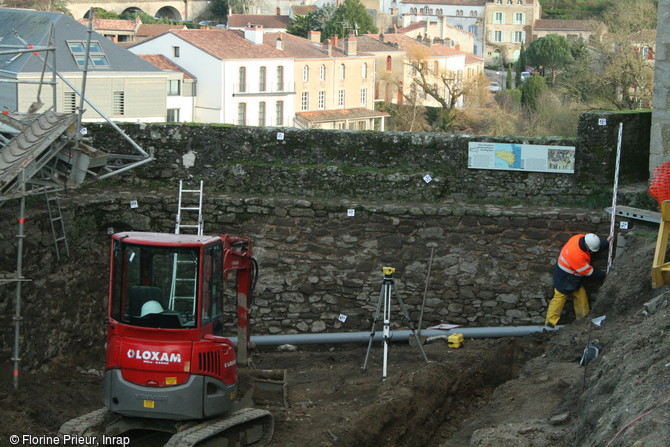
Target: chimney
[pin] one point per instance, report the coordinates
(441, 22)
(254, 33)
(381, 37)
(350, 44)
(328, 47)
(280, 43)
(314, 36)
(333, 40)
(458, 47)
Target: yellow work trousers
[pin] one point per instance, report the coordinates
(581, 302)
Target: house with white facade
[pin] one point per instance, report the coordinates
(181, 89)
(241, 80)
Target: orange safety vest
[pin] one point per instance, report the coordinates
(573, 259)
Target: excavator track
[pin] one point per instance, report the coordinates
(242, 428)
(245, 427)
(85, 425)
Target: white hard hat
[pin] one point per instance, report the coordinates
(592, 241)
(151, 307)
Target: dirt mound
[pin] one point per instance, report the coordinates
(526, 391)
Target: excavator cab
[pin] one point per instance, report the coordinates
(166, 356)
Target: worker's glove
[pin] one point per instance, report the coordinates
(599, 274)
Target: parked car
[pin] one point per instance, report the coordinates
(494, 86)
(524, 75)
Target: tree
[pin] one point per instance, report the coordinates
(520, 65)
(508, 81)
(614, 71)
(350, 16)
(314, 21)
(531, 89)
(219, 9)
(550, 52)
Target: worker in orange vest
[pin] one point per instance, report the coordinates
(572, 267)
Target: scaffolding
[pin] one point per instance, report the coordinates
(45, 153)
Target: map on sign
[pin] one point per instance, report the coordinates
(522, 157)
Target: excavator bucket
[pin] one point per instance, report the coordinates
(269, 387)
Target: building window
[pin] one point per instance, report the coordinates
(175, 51)
(439, 12)
(243, 80)
(172, 116)
(261, 113)
(280, 113)
(96, 57)
(519, 2)
(280, 78)
(459, 26)
(364, 70)
(322, 99)
(242, 113)
(342, 71)
(389, 63)
(69, 102)
(340, 98)
(473, 13)
(509, 2)
(519, 18)
(174, 87)
(499, 18)
(473, 29)
(305, 73)
(519, 36)
(322, 72)
(364, 97)
(119, 104)
(497, 36)
(304, 102)
(261, 79)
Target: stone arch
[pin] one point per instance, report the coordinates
(168, 12)
(132, 10)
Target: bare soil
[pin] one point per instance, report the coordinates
(522, 392)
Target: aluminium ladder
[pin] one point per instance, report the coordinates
(184, 278)
(57, 223)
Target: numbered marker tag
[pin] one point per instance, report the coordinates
(342, 318)
(602, 121)
(280, 136)
(351, 212)
(427, 178)
(83, 131)
(133, 204)
(623, 225)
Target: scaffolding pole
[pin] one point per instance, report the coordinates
(16, 358)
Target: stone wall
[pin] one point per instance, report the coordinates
(378, 165)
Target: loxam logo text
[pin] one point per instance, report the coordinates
(154, 356)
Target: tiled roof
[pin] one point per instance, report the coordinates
(341, 114)
(154, 29)
(566, 25)
(445, 2)
(472, 59)
(228, 44)
(369, 44)
(301, 48)
(412, 46)
(303, 10)
(242, 20)
(164, 63)
(110, 24)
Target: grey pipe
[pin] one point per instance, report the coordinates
(361, 337)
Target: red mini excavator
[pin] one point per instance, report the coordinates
(171, 376)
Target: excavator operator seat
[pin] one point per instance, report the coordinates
(138, 296)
